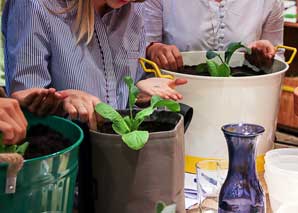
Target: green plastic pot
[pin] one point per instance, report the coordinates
(45, 184)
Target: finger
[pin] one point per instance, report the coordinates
(7, 131)
(179, 60)
(82, 110)
(71, 110)
(35, 104)
(14, 131)
(47, 104)
(17, 115)
(172, 64)
(164, 62)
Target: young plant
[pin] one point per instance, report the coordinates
(223, 69)
(161, 207)
(128, 126)
(20, 149)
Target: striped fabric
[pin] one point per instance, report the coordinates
(41, 50)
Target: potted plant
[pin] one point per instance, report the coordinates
(220, 98)
(138, 156)
(46, 181)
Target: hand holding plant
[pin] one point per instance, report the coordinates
(128, 126)
(223, 69)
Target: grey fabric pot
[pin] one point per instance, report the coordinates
(129, 181)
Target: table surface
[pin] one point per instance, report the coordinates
(196, 209)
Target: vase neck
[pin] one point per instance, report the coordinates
(242, 153)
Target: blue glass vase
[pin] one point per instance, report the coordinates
(241, 191)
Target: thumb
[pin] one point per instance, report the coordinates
(180, 81)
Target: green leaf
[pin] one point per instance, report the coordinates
(169, 104)
(136, 139)
(232, 47)
(10, 148)
(2, 147)
(21, 149)
(155, 99)
(224, 70)
(133, 91)
(119, 124)
(212, 68)
(160, 206)
(201, 68)
(140, 116)
(211, 54)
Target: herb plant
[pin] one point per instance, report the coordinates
(20, 149)
(128, 126)
(161, 207)
(223, 69)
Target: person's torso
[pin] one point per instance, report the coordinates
(207, 24)
(99, 67)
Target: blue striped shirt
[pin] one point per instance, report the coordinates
(41, 50)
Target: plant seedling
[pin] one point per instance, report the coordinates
(20, 149)
(161, 207)
(223, 69)
(128, 126)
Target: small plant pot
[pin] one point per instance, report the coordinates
(129, 181)
(45, 184)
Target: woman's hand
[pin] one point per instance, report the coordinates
(13, 124)
(165, 56)
(162, 87)
(80, 105)
(262, 54)
(40, 101)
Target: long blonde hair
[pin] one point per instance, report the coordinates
(84, 21)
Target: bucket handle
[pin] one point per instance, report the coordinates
(286, 88)
(293, 49)
(15, 163)
(154, 68)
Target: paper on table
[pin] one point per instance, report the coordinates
(190, 190)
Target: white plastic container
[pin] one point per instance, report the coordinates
(220, 100)
(281, 175)
(288, 208)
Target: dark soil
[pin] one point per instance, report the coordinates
(151, 126)
(236, 71)
(44, 141)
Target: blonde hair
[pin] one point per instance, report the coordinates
(84, 21)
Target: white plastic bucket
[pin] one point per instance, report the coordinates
(220, 100)
(288, 208)
(281, 175)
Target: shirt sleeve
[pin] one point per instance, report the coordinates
(27, 45)
(273, 28)
(153, 17)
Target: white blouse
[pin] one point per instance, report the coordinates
(207, 24)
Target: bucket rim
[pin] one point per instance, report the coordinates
(198, 77)
(63, 151)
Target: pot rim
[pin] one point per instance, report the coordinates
(227, 78)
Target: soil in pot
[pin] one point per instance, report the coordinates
(236, 71)
(150, 126)
(44, 140)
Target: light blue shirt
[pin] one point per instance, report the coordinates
(41, 50)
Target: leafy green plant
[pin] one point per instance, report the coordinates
(128, 126)
(20, 149)
(161, 207)
(223, 69)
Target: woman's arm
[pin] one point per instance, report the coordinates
(27, 45)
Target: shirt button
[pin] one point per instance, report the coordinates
(222, 4)
(222, 25)
(221, 36)
(221, 46)
(221, 15)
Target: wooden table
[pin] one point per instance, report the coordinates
(196, 209)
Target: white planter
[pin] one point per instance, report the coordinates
(221, 100)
